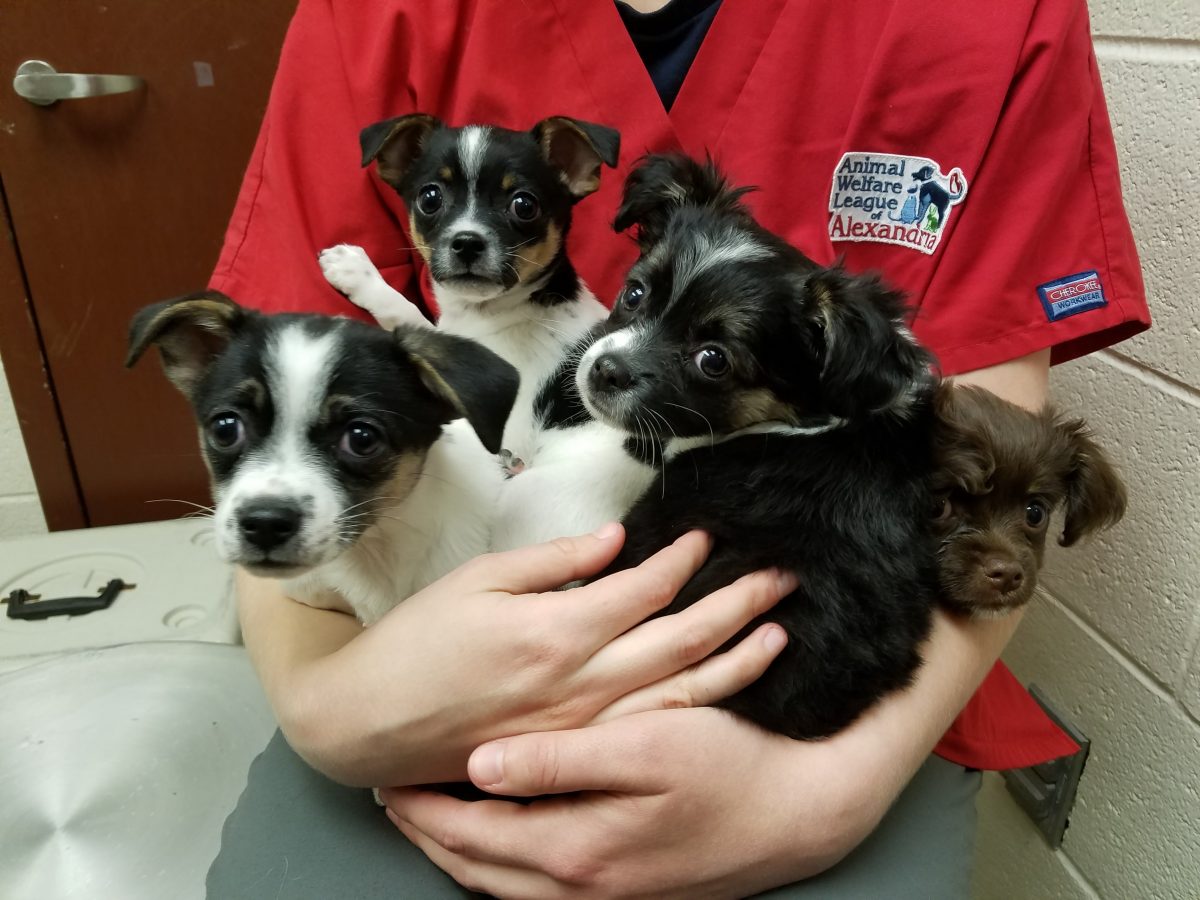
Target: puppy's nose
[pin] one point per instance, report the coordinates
(1004, 574)
(610, 373)
(468, 246)
(269, 523)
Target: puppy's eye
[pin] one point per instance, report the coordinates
(1035, 514)
(633, 295)
(712, 362)
(429, 199)
(361, 440)
(942, 509)
(524, 206)
(226, 431)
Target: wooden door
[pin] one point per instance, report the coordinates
(114, 202)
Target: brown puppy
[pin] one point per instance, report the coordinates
(1000, 473)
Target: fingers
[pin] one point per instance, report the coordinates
(607, 757)
(619, 601)
(706, 682)
(664, 646)
(545, 567)
(468, 842)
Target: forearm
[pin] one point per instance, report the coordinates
(894, 738)
(285, 640)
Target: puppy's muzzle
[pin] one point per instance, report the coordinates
(610, 374)
(467, 247)
(1003, 574)
(269, 524)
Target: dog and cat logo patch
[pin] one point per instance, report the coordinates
(893, 199)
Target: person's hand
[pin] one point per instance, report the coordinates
(491, 650)
(678, 803)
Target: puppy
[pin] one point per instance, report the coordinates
(489, 212)
(792, 410)
(1000, 472)
(338, 457)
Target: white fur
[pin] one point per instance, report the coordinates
(350, 270)
(444, 521)
(577, 479)
(472, 148)
(298, 368)
(530, 337)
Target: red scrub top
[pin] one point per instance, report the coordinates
(964, 150)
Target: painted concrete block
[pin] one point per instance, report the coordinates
(1156, 140)
(1139, 583)
(1189, 690)
(21, 516)
(1137, 18)
(1011, 858)
(1134, 831)
(15, 475)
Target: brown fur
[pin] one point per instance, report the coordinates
(758, 405)
(418, 239)
(994, 459)
(535, 257)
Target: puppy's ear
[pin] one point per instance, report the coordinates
(190, 333)
(963, 455)
(470, 379)
(870, 362)
(396, 144)
(1096, 496)
(578, 149)
(661, 184)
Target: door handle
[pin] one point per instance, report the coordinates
(40, 84)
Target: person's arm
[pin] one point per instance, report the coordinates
(481, 654)
(696, 802)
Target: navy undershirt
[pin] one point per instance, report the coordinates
(668, 39)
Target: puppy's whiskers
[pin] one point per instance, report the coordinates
(712, 437)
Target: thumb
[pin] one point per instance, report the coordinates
(608, 757)
(549, 566)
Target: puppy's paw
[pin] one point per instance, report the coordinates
(349, 270)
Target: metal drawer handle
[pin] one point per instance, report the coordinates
(39, 83)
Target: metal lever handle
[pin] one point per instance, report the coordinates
(39, 83)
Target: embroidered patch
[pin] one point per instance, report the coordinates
(891, 199)
(1071, 295)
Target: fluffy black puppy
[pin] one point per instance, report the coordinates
(792, 408)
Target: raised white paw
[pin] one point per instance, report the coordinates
(349, 270)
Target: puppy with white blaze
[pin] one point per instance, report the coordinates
(356, 464)
(489, 213)
(788, 411)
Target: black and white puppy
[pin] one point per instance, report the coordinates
(355, 463)
(793, 407)
(489, 212)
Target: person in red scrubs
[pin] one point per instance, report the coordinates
(962, 150)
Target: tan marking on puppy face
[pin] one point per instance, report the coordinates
(254, 392)
(507, 182)
(535, 257)
(418, 239)
(758, 405)
(445, 173)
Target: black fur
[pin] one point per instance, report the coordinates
(838, 492)
(556, 164)
(847, 511)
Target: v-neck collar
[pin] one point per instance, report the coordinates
(621, 86)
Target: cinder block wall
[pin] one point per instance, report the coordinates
(1117, 640)
(20, 511)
